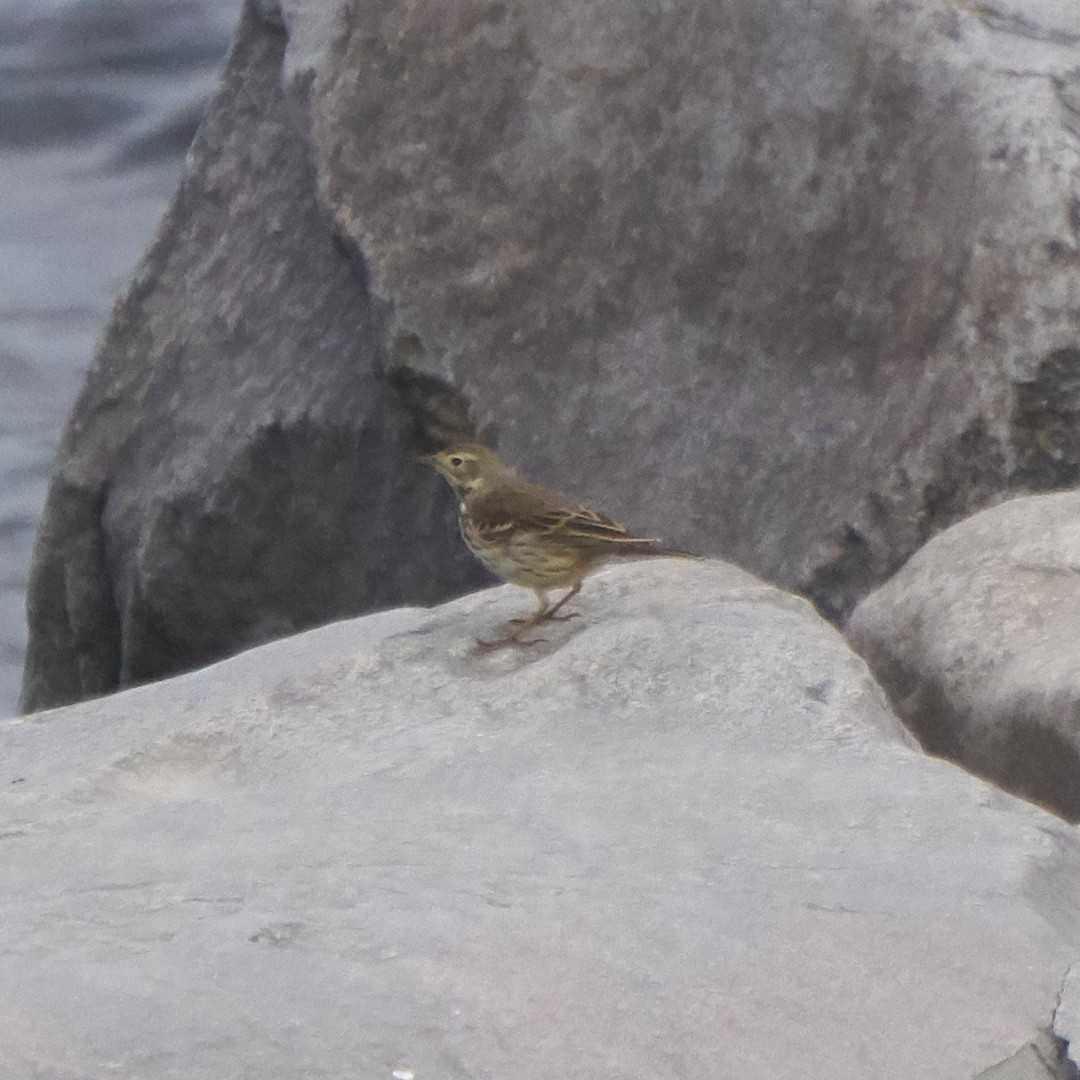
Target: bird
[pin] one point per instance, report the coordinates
(531, 536)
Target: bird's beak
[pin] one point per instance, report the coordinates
(425, 459)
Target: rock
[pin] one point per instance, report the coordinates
(683, 837)
(82, 84)
(795, 288)
(232, 471)
(1043, 1059)
(975, 641)
(1067, 1015)
(799, 290)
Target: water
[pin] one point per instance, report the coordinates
(98, 102)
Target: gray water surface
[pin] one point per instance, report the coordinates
(99, 100)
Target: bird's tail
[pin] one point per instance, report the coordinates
(676, 553)
(656, 548)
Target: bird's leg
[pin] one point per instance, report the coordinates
(550, 613)
(532, 620)
(543, 614)
(514, 637)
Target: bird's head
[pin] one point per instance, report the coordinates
(468, 469)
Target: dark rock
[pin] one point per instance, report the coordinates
(1044, 1058)
(1046, 422)
(975, 640)
(233, 470)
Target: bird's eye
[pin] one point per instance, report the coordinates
(456, 462)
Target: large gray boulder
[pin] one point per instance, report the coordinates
(976, 641)
(684, 837)
(796, 283)
(794, 286)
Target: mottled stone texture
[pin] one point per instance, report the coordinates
(685, 838)
(976, 641)
(792, 283)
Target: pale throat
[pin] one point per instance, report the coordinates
(475, 485)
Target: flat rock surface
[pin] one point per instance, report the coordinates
(975, 640)
(683, 837)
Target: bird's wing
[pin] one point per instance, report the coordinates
(588, 526)
(536, 510)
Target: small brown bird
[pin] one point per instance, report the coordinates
(529, 535)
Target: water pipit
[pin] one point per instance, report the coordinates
(531, 536)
